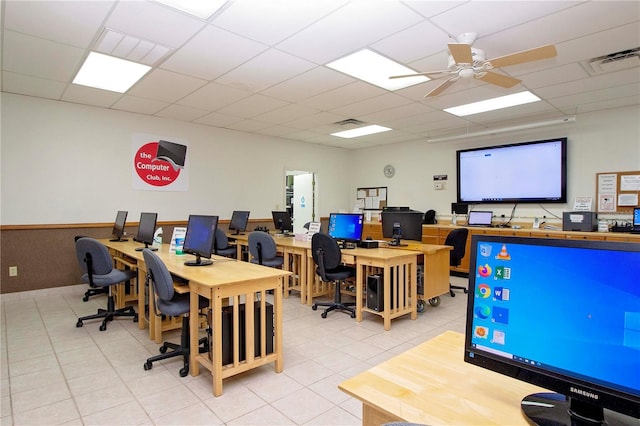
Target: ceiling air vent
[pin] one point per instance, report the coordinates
(613, 62)
(124, 46)
(349, 122)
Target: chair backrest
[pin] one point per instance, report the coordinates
(222, 242)
(159, 275)
(93, 257)
(458, 240)
(326, 253)
(262, 246)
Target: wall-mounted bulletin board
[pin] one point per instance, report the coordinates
(617, 192)
(371, 198)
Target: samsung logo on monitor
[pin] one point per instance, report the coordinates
(584, 393)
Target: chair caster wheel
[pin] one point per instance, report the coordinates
(353, 314)
(85, 298)
(103, 327)
(79, 323)
(148, 366)
(323, 315)
(434, 301)
(314, 307)
(184, 371)
(420, 306)
(452, 293)
(163, 349)
(135, 319)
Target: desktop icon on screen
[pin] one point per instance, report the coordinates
(500, 315)
(501, 293)
(503, 273)
(483, 291)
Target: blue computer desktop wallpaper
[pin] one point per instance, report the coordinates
(346, 226)
(571, 310)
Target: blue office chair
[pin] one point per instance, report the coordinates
(328, 257)
(221, 246)
(263, 250)
(97, 267)
(172, 304)
(93, 290)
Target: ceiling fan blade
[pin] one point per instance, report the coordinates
(441, 88)
(498, 79)
(543, 52)
(429, 73)
(461, 53)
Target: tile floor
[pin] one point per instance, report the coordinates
(56, 374)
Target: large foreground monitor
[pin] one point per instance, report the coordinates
(199, 239)
(563, 315)
(118, 226)
(406, 225)
(146, 229)
(239, 221)
(346, 227)
(282, 221)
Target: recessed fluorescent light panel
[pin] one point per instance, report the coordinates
(109, 73)
(200, 8)
(376, 69)
(520, 98)
(361, 131)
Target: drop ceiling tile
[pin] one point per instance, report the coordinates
(602, 105)
(181, 113)
(212, 53)
(380, 104)
(139, 105)
(166, 86)
(556, 75)
(31, 86)
(252, 106)
(218, 120)
(286, 114)
(313, 82)
(600, 82)
(267, 69)
(354, 92)
(153, 22)
(74, 23)
(37, 57)
(310, 122)
(592, 96)
(213, 96)
(90, 96)
(416, 42)
(248, 125)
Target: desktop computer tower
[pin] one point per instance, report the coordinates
(227, 331)
(375, 293)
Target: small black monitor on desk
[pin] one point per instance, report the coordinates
(282, 221)
(199, 239)
(346, 227)
(406, 225)
(146, 229)
(118, 226)
(239, 221)
(635, 228)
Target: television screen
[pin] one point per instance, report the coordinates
(562, 314)
(118, 226)
(282, 221)
(529, 172)
(239, 220)
(146, 229)
(408, 223)
(346, 226)
(199, 239)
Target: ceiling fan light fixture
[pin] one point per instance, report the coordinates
(493, 104)
(466, 73)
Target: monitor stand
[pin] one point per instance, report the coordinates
(116, 240)
(199, 261)
(146, 246)
(551, 409)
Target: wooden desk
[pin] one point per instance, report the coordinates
(226, 282)
(431, 384)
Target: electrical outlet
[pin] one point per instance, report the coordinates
(438, 185)
(13, 271)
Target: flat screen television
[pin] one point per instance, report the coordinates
(146, 229)
(282, 221)
(562, 314)
(118, 226)
(199, 239)
(346, 227)
(407, 223)
(239, 221)
(528, 172)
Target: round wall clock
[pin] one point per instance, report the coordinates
(389, 170)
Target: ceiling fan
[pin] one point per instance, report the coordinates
(467, 62)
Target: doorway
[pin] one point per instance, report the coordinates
(300, 198)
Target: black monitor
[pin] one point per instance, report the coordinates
(562, 314)
(199, 239)
(407, 224)
(118, 226)
(239, 221)
(146, 229)
(346, 227)
(282, 221)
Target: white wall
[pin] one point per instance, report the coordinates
(67, 163)
(597, 142)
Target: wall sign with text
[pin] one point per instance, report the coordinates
(159, 164)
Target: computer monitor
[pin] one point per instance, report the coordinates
(199, 239)
(118, 226)
(346, 227)
(282, 221)
(562, 314)
(477, 218)
(239, 221)
(407, 223)
(636, 219)
(146, 229)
